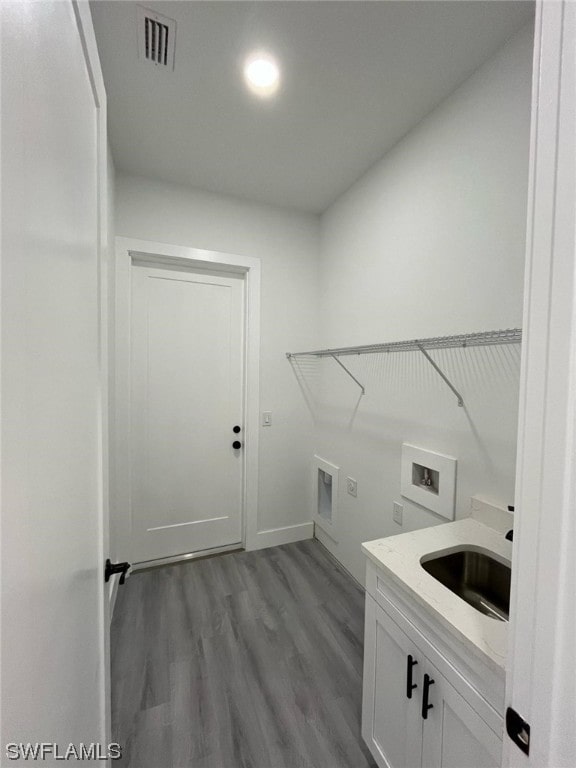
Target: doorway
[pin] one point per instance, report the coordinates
(186, 443)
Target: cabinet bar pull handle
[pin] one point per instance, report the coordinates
(425, 706)
(410, 662)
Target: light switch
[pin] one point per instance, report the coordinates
(267, 419)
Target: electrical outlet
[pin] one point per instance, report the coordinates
(398, 509)
(352, 486)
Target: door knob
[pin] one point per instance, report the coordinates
(236, 429)
(236, 444)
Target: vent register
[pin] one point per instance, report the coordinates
(156, 38)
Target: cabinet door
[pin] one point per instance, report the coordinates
(454, 734)
(391, 724)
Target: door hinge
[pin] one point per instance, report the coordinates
(518, 730)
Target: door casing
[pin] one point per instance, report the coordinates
(540, 670)
(128, 251)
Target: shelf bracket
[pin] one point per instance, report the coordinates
(440, 373)
(341, 364)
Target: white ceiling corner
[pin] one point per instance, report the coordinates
(356, 76)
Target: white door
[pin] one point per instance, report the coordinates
(54, 661)
(392, 690)
(541, 663)
(186, 400)
(454, 734)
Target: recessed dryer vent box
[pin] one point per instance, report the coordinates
(429, 479)
(325, 477)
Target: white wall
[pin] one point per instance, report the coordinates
(52, 642)
(287, 244)
(429, 242)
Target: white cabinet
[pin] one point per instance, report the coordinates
(391, 723)
(458, 728)
(454, 734)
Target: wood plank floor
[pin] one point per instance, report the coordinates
(246, 660)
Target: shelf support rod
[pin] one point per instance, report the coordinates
(348, 372)
(441, 374)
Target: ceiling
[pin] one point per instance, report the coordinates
(356, 76)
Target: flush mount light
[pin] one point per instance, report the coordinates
(262, 74)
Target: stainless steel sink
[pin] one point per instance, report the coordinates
(477, 578)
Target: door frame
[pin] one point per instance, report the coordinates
(540, 667)
(129, 250)
(94, 70)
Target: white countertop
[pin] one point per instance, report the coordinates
(399, 556)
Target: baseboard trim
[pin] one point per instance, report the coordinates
(326, 528)
(286, 535)
(333, 557)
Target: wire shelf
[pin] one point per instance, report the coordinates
(482, 339)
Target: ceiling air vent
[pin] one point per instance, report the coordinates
(156, 38)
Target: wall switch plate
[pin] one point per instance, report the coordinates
(267, 419)
(352, 486)
(398, 509)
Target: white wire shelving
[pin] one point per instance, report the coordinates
(481, 339)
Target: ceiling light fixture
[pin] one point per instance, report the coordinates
(262, 74)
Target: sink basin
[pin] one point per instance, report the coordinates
(476, 577)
